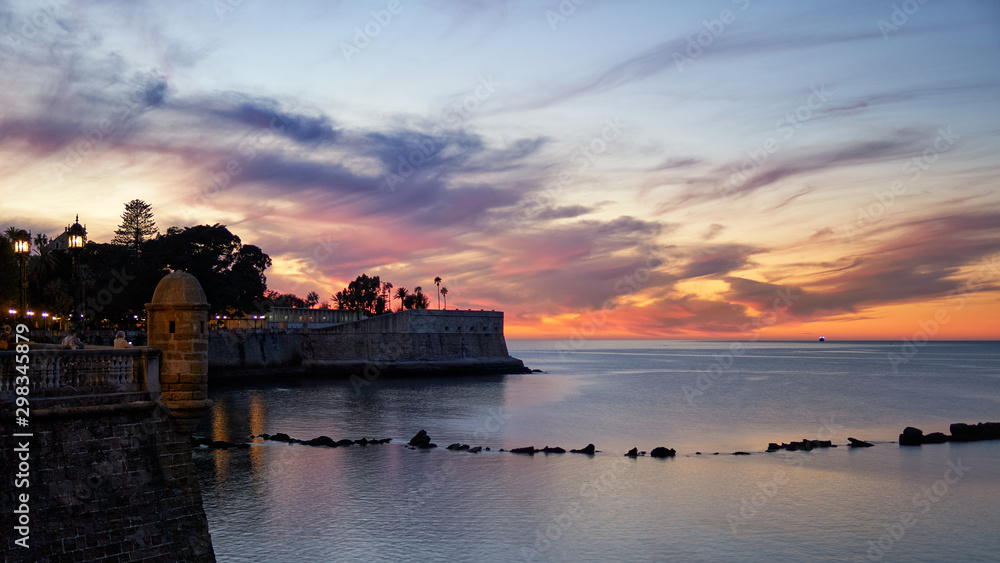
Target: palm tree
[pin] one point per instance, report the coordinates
(401, 294)
(437, 282)
(444, 293)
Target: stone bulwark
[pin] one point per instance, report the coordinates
(106, 451)
(411, 343)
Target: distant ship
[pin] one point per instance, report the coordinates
(822, 339)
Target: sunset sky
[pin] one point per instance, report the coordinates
(729, 169)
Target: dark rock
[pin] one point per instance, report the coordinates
(421, 440)
(321, 441)
(911, 437)
(220, 445)
(362, 442)
(589, 450)
(475, 450)
(634, 452)
(525, 450)
(280, 437)
(463, 447)
(454, 446)
(662, 452)
(486, 449)
(961, 432)
(697, 453)
(344, 442)
(537, 371)
(936, 438)
(243, 446)
(265, 436)
(855, 443)
(555, 450)
(741, 453)
(804, 445)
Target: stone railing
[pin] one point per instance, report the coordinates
(57, 373)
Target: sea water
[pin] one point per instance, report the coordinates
(707, 400)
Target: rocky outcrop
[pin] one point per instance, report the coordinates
(855, 443)
(961, 432)
(804, 445)
(662, 452)
(589, 450)
(421, 441)
(911, 437)
(325, 441)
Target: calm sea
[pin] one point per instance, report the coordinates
(282, 502)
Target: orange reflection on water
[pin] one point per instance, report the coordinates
(257, 416)
(220, 431)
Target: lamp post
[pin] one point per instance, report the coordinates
(22, 246)
(76, 239)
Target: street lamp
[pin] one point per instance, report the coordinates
(22, 246)
(76, 239)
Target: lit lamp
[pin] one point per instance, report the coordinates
(22, 246)
(76, 239)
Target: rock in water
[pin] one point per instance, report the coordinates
(589, 450)
(555, 450)
(662, 452)
(961, 432)
(911, 437)
(525, 450)
(475, 450)
(421, 440)
(634, 452)
(855, 443)
(936, 438)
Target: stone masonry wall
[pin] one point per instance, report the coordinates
(111, 480)
(247, 349)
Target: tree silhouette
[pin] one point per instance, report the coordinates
(312, 299)
(364, 294)
(401, 294)
(137, 225)
(437, 282)
(444, 293)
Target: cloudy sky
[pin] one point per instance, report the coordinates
(727, 169)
